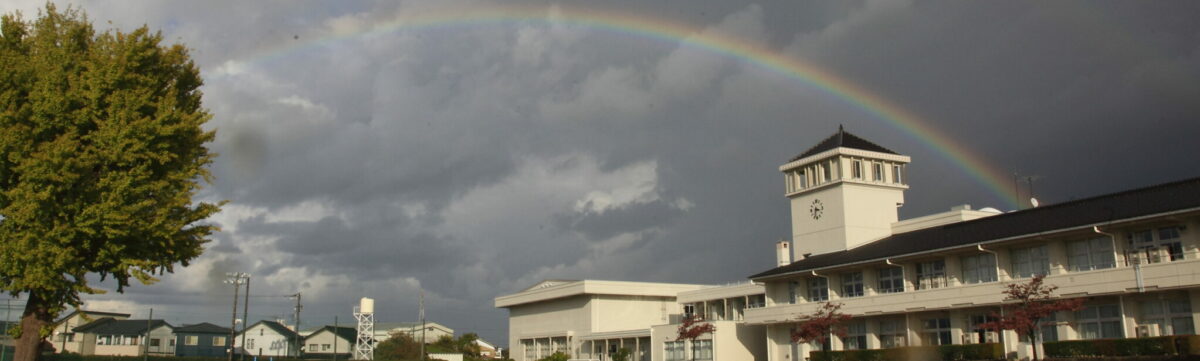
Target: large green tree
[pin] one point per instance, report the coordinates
(101, 151)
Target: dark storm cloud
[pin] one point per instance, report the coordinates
(454, 158)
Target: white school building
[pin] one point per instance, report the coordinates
(930, 280)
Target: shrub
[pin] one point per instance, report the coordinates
(986, 351)
(557, 356)
(1149, 346)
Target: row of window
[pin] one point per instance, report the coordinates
(701, 350)
(545, 347)
(1082, 255)
(114, 340)
(1158, 318)
(825, 171)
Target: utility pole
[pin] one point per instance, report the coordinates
(7, 315)
(245, 316)
(234, 278)
(299, 348)
(146, 340)
(422, 308)
(335, 337)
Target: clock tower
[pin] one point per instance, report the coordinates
(844, 193)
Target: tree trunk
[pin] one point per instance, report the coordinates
(35, 317)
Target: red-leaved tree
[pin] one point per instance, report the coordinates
(693, 327)
(1034, 301)
(818, 326)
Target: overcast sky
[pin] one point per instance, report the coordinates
(473, 159)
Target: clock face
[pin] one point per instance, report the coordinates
(816, 209)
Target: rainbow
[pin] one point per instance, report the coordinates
(997, 181)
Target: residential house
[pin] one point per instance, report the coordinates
(63, 335)
(112, 337)
(269, 338)
(330, 341)
(487, 349)
(203, 339)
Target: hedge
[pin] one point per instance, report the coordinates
(983, 351)
(1148, 346)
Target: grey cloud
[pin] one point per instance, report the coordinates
(628, 218)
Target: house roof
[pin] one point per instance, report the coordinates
(92, 313)
(842, 139)
(1164, 198)
(347, 333)
(202, 328)
(111, 326)
(277, 327)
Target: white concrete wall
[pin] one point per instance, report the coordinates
(266, 342)
(551, 317)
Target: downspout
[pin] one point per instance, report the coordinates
(996, 256)
(1137, 264)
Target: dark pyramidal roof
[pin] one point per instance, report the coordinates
(1163, 198)
(111, 326)
(203, 328)
(842, 139)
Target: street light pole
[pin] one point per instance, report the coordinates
(234, 278)
(245, 315)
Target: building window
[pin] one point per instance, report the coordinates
(1166, 317)
(1031, 261)
(154, 342)
(856, 336)
(1099, 321)
(325, 347)
(803, 179)
(1160, 245)
(936, 331)
(931, 275)
(674, 351)
(1050, 328)
(312, 347)
(825, 173)
(977, 334)
(897, 174)
(891, 280)
(1091, 254)
(218, 341)
(191, 340)
(689, 310)
(702, 350)
(979, 268)
(856, 169)
(250, 344)
(818, 289)
(794, 292)
(171, 342)
(877, 174)
(893, 333)
(852, 284)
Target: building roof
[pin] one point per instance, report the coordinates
(111, 326)
(92, 313)
(1164, 198)
(277, 327)
(202, 328)
(842, 139)
(347, 333)
(553, 290)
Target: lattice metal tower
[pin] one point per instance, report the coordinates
(364, 345)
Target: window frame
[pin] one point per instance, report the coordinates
(1092, 256)
(1031, 260)
(852, 285)
(895, 280)
(818, 289)
(1094, 315)
(934, 272)
(979, 268)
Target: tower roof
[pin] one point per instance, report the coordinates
(842, 139)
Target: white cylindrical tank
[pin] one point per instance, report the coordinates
(366, 305)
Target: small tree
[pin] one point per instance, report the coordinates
(399, 347)
(693, 327)
(1034, 301)
(821, 324)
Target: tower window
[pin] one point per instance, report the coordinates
(825, 176)
(897, 174)
(856, 170)
(878, 176)
(803, 179)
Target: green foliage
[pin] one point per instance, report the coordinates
(1149, 346)
(557, 356)
(622, 354)
(101, 151)
(399, 347)
(986, 351)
